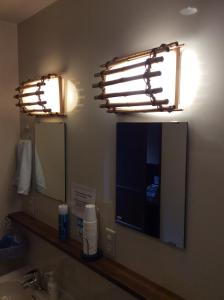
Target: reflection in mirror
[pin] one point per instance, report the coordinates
(50, 160)
(150, 180)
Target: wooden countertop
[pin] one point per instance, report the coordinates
(125, 278)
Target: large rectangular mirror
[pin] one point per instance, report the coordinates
(150, 179)
(50, 160)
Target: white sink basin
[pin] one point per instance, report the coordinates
(12, 290)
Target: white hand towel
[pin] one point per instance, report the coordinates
(24, 166)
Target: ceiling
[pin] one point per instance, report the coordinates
(16, 11)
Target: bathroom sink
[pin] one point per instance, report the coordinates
(12, 290)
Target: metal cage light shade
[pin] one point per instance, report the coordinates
(41, 97)
(146, 81)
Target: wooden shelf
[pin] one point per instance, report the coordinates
(132, 282)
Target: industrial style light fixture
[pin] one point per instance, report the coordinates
(146, 81)
(42, 97)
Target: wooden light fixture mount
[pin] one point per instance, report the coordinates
(41, 97)
(131, 83)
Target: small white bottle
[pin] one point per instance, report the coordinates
(52, 287)
(90, 232)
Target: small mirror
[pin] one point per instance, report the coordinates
(50, 160)
(150, 179)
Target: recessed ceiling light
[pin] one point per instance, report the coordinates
(188, 11)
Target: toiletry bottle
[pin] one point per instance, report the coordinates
(52, 287)
(90, 235)
(63, 222)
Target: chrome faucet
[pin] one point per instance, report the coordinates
(34, 279)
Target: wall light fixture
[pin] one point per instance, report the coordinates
(146, 81)
(42, 97)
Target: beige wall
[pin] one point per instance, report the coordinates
(9, 125)
(75, 37)
(77, 280)
(9, 115)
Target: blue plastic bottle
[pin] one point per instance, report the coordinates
(63, 222)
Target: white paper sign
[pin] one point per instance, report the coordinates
(81, 195)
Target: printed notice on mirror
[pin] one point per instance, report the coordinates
(81, 195)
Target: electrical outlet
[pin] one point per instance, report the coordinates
(110, 242)
(30, 206)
